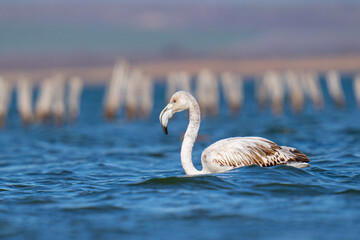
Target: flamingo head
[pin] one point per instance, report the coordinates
(179, 101)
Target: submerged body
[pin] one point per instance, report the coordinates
(228, 153)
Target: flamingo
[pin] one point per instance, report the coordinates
(146, 95)
(207, 92)
(75, 89)
(275, 91)
(296, 93)
(233, 90)
(133, 94)
(58, 105)
(116, 89)
(44, 100)
(5, 98)
(312, 88)
(228, 153)
(177, 81)
(24, 99)
(356, 86)
(335, 89)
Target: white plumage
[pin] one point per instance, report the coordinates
(233, 90)
(44, 99)
(5, 98)
(228, 153)
(296, 93)
(356, 87)
(312, 88)
(335, 89)
(24, 99)
(207, 92)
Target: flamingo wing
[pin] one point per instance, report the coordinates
(243, 151)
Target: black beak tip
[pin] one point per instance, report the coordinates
(165, 130)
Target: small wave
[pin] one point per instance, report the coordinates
(205, 182)
(293, 189)
(245, 193)
(21, 186)
(60, 173)
(299, 172)
(276, 173)
(348, 155)
(34, 200)
(349, 192)
(156, 154)
(94, 208)
(352, 131)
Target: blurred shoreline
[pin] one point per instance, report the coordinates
(101, 73)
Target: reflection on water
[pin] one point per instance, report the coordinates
(97, 179)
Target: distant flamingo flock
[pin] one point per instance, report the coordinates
(58, 97)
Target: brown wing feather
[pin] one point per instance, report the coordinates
(239, 152)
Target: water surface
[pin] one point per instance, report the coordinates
(110, 180)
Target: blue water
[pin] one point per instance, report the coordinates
(123, 180)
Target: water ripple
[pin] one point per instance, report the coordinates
(203, 182)
(99, 180)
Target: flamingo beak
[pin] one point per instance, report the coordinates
(164, 117)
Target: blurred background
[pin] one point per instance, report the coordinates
(41, 34)
(82, 84)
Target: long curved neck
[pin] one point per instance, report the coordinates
(189, 139)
